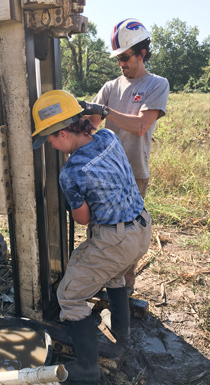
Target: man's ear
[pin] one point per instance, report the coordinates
(143, 53)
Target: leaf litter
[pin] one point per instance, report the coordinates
(170, 346)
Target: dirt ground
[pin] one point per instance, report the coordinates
(171, 346)
(174, 340)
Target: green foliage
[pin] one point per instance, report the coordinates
(85, 63)
(179, 190)
(177, 54)
(199, 85)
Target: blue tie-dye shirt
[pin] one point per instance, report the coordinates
(100, 174)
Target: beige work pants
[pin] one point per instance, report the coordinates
(130, 274)
(101, 261)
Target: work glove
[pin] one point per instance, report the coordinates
(91, 108)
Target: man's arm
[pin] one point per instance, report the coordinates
(82, 214)
(137, 125)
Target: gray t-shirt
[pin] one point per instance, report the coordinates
(129, 96)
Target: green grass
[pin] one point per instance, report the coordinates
(201, 242)
(179, 190)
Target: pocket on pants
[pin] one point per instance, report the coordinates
(104, 237)
(80, 252)
(78, 286)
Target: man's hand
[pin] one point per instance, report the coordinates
(91, 108)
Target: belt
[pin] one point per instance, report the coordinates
(139, 218)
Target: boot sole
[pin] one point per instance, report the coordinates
(92, 380)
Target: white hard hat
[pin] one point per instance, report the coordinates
(126, 34)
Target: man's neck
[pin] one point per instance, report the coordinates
(141, 72)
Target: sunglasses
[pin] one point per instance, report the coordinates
(124, 58)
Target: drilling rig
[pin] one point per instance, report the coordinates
(30, 33)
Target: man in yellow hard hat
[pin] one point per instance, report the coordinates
(100, 188)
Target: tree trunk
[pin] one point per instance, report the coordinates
(74, 54)
(80, 58)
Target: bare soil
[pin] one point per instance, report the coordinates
(175, 280)
(171, 346)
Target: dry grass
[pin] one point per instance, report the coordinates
(179, 191)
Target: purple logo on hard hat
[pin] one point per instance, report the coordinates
(134, 25)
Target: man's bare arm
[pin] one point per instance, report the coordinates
(137, 125)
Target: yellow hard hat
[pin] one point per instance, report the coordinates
(55, 108)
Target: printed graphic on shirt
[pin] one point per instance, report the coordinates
(137, 97)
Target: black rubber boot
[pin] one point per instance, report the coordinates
(119, 320)
(85, 368)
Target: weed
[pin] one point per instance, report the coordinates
(205, 312)
(179, 164)
(200, 242)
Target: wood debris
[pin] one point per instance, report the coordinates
(144, 262)
(161, 239)
(196, 273)
(163, 292)
(159, 243)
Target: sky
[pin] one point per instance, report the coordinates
(106, 13)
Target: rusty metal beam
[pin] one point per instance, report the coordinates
(58, 21)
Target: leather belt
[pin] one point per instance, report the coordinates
(139, 218)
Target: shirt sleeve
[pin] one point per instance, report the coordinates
(71, 189)
(102, 97)
(156, 97)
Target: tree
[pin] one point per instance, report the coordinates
(85, 63)
(177, 54)
(199, 85)
(203, 83)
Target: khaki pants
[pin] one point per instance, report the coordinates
(130, 275)
(142, 186)
(101, 261)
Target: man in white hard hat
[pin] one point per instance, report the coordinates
(132, 103)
